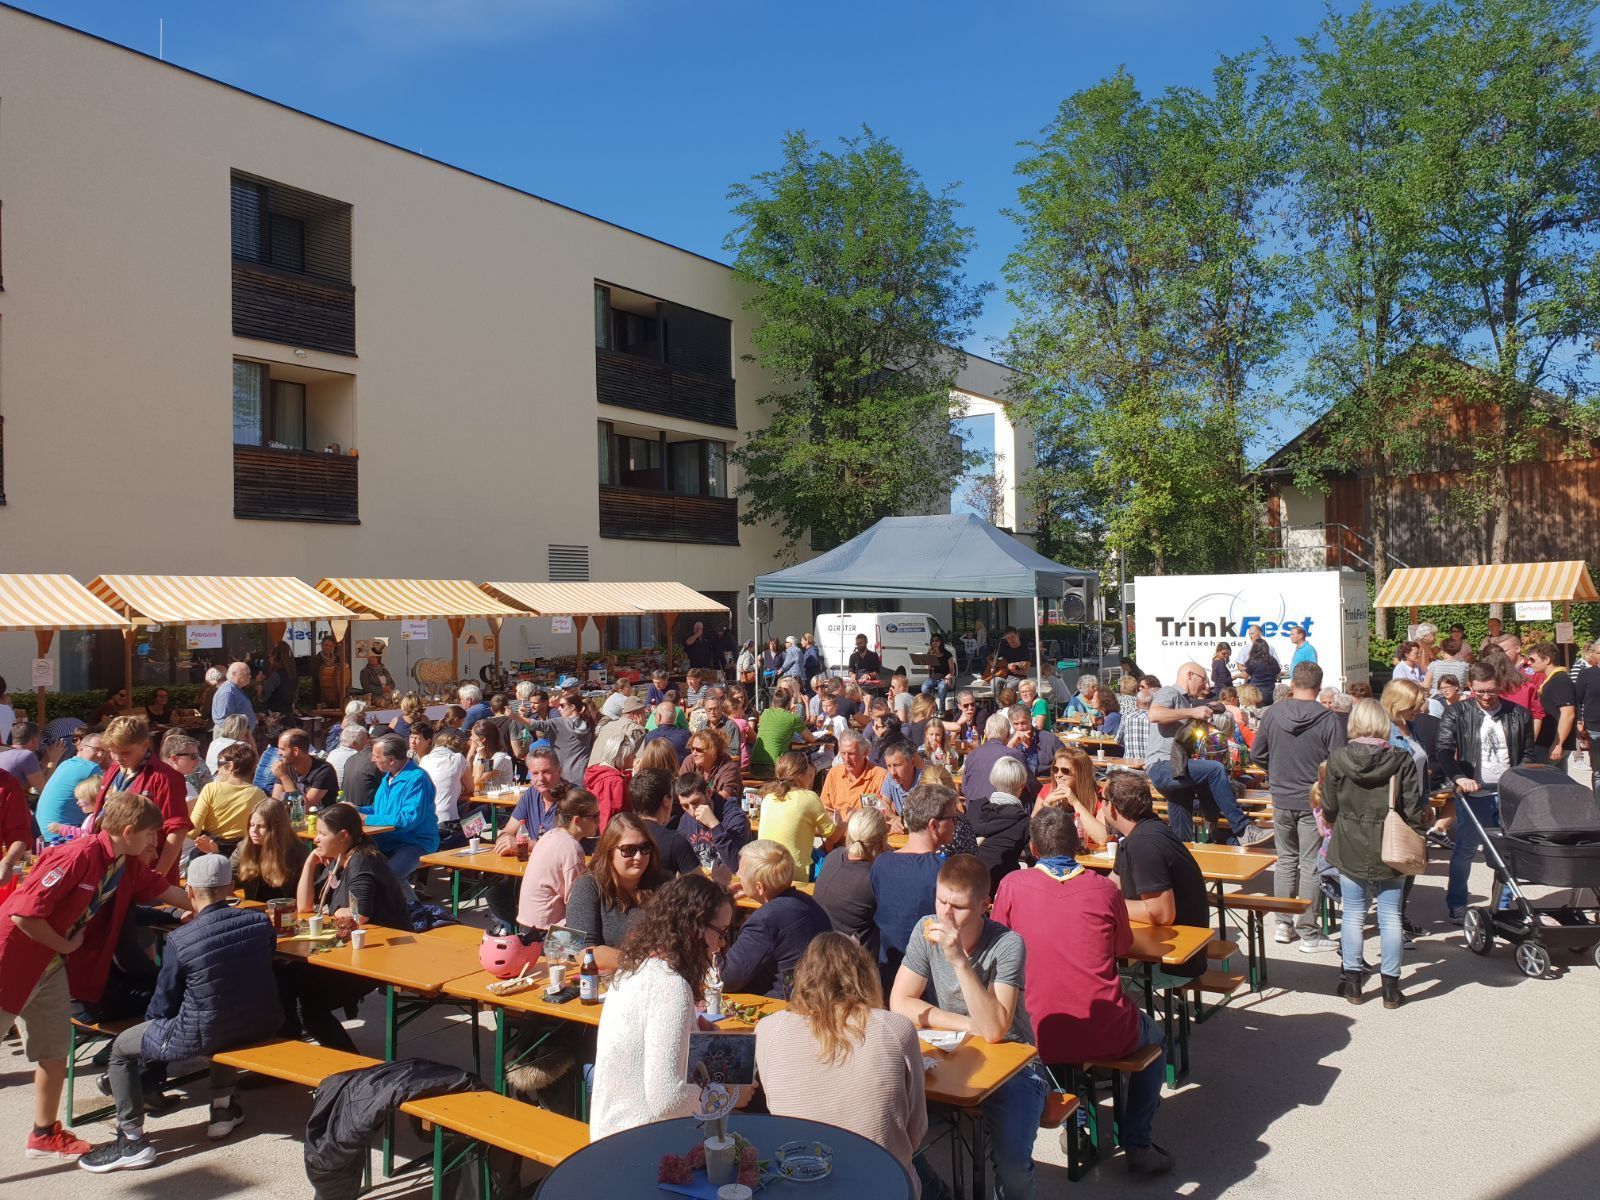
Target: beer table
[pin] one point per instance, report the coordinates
(506, 800)
(1218, 865)
(480, 858)
(304, 833)
(1167, 946)
(961, 1080)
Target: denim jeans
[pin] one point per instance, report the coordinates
(1486, 807)
(1298, 868)
(127, 1086)
(1011, 1121)
(404, 860)
(1352, 922)
(1144, 1089)
(940, 689)
(1211, 779)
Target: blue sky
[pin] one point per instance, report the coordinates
(645, 111)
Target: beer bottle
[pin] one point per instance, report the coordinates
(589, 979)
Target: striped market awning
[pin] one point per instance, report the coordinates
(215, 600)
(416, 599)
(52, 602)
(603, 599)
(1506, 583)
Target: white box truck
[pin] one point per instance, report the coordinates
(894, 636)
(1182, 618)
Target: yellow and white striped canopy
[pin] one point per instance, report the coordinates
(220, 599)
(1505, 583)
(416, 599)
(52, 602)
(603, 599)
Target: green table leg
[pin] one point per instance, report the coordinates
(455, 893)
(390, 1037)
(500, 1050)
(438, 1162)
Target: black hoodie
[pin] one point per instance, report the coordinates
(1294, 739)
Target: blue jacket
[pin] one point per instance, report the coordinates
(216, 988)
(763, 957)
(405, 800)
(732, 834)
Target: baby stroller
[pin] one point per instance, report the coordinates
(1549, 836)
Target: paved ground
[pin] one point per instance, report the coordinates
(1486, 1086)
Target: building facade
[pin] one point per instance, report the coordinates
(238, 339)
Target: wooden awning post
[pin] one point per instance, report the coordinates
(275, 633)
(600, 637)
(457, 624)
(495, 625)
(42, 638)
(672, 620)
(578, 625)
(129, 636)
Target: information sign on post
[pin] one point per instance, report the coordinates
(44, 673)
(203, 637)
(560, 624)
(413, 631)
(1533, 610)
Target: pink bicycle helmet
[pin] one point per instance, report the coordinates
(505, 956)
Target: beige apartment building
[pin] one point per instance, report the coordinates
(238, 339)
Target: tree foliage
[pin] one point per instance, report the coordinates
(856, 275)
(1153, 307)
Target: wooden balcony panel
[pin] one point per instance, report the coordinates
(651, 516)
(295, 485)
(296, 310)
(637, 383)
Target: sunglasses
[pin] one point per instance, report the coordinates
(720, 930)
(636, 850)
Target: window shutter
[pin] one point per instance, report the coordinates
(249, 203)
(569, 564)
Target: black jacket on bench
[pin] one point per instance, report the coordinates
(346, 1108)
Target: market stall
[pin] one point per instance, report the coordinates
(453, 601)
(46, 605)
(1413, 588)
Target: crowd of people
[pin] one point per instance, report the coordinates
(647, 814)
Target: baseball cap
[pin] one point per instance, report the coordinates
(210, 871)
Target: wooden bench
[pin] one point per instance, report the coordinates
(1218, 983)
(1083, 1080)
(293, 1061)
(490, 1119)
(1256, 907)
(90, 1038)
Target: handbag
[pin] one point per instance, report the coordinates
(1404, 849)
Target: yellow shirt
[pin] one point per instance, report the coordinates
(795, 821)
(223, 810)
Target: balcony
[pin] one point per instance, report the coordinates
(648, 515)
(294, 485)
(628, 381)
(275, 305)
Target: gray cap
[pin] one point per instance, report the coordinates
(210, 871)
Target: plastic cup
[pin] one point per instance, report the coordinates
(358, 938)
(558, 977)
(314, 925)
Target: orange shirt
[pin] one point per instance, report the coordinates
(842, 791)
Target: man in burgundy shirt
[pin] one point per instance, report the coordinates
(1074, 924)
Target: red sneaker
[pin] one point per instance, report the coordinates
(58, 1143)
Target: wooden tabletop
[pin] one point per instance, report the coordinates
(1218, 864)
(969, 1074)
(484, 860)
(417, 962)
(305, 834)
(505, 800)
(533, 1003)
(1168, 945)
(300, 946)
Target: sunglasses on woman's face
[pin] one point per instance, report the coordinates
(636, 849)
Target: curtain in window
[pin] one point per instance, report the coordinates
(249, 384)
(289, 414)
(602, 317)
(717, 469)
(604, 448)
(685, 467)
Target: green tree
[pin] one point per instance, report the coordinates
(1360, 202)
(1512, 149)
(1151, 310)
(856, 275)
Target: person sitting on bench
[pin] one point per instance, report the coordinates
(215, 990)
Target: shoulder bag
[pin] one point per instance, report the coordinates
(1404, 849)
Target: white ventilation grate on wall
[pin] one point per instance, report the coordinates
(569, 564)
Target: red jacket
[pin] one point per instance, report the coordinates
(610, 787)
(59, 888)
(165, 787)
(16, 823)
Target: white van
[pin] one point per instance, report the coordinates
(894, 636)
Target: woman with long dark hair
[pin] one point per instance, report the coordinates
(1261, 670)
(641, 1065)
(609, 901)
(282, 685)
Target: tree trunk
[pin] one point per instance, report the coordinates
(1380, 549)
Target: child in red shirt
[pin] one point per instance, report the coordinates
(57, 934)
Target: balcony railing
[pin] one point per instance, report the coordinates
(653, 516)
(294, 485)
(297, 310)
(653, 387)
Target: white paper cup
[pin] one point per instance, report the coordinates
(314, 925)
(558, 976)
(358, 937)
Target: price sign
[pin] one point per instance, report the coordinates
(413, 631)
(560, 624)
(203, 637)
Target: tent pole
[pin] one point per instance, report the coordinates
(42, 638)
(1038, 643)
(757, 614)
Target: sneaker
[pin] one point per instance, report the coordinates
(58, 1143)
(1285, 935)
(1439, 838)
(1317, 944)
(1411, 927)
(123, 1154)
(1148, 1160)
(157, 1103)
(1407, 938)
(1254, 836)
(1456, 915)
(224, 1121)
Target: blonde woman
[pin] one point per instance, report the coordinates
(221, 813)
(412, 710)
(837, 1055)
(232, 731)
(772, 939)
(1403, 702)
(1072, 786)
(844, 884)
(791, 813)
(656, 754)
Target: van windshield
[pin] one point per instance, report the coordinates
(937, 630)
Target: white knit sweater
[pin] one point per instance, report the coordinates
(641, 1062)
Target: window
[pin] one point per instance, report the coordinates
(636, 334)
(249, 394)
(286, 244)
(249, 211)
(291, 230)
(267, 411)
(695, 467)
(602, 317)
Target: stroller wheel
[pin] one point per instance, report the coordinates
(1478, 930)
(1533, 960)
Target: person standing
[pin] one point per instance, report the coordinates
(1261, 668)
(1478, 743)
(1588, 701)
(1293, 741)
(1362, 778)
(375, 678)
(1556, 733)
(1304, 651)
(231, 698)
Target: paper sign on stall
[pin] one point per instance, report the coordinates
(1564, 632)
(44, 673)
(413, 631)
(1533, 610)
(560, 624)
(203, 637)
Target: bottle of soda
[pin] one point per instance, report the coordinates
(589, 979)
